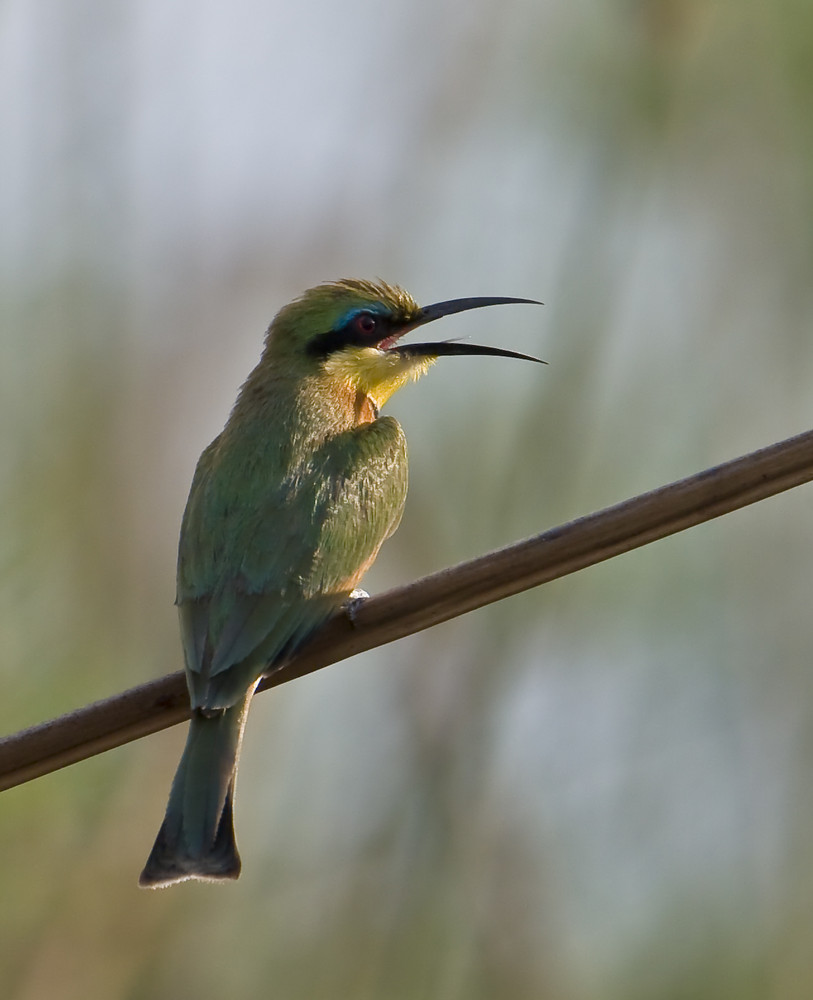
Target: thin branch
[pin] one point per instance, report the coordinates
(434, 599)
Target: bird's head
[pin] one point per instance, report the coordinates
(350, 330)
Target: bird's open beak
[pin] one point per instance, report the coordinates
(451, 347)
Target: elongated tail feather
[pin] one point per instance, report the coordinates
(196, 839)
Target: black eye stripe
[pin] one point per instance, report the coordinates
(349, 334)
(325, 344)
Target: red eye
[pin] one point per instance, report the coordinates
(365, 324)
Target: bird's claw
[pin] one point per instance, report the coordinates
(354, 602)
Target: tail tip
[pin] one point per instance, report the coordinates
(165, 868)
(160, 876)
(171, 860)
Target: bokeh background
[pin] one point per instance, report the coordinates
(601, 789)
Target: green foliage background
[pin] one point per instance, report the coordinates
(601, 789)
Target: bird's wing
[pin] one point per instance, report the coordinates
(365, 477)
(254, 580)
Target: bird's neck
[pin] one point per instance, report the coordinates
(303, 412)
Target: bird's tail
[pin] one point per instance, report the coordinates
(196, 839)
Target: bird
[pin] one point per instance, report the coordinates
(288, 507)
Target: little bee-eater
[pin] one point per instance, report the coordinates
(288, 508)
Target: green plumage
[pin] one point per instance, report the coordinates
(266, 556)
(288, 507)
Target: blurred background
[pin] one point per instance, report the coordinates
(601, 789)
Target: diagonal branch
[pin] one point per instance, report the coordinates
(434, 599)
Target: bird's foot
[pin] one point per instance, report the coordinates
(210, 713)
(354, 602)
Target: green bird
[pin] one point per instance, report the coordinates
(288, 508)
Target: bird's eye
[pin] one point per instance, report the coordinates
(365, 324)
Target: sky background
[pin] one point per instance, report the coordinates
(599, 789)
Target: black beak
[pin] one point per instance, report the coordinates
(446, 348)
